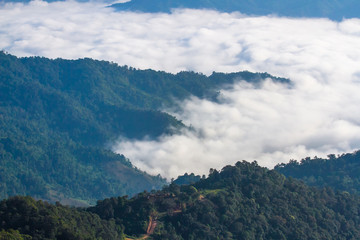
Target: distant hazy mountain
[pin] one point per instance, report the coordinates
(333, 9)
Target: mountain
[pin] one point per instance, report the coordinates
(333, 9)
(25, 218)
(58, 118)
(244, 201)
(338, 172)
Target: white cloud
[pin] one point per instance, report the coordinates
(271, 124)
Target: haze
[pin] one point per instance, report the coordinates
(273, 123)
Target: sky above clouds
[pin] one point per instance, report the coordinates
(273, 123)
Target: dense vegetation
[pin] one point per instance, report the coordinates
(341, 172)
(244, 201)
(187, 179)
(25, 218)
(333, 9)
(57, 117)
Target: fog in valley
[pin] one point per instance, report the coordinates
(272, 123)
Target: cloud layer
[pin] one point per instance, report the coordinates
(272, 124)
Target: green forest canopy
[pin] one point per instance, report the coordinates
(340, 172)
(57, 116)
(244, 201)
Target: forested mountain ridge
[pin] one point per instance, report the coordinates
(333, 9)
(244, 201)
(340, 172)
(56, 117)
(50, 139)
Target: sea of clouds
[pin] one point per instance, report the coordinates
(271, 123)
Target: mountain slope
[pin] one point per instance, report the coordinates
(340, 173)
(57, 116)
(333, 9)
(25, 218)
(244, 201)
(52, 142)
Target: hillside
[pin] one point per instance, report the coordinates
(25, 218)
(58, 116)
(338, 172)
(244, 201)
(333, 9)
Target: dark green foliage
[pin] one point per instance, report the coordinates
(333, 9)
(57, 116)
(187, 179)
(13, 235)
(239, 202)
(25, 218)
(341, 173)
(244, 201)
